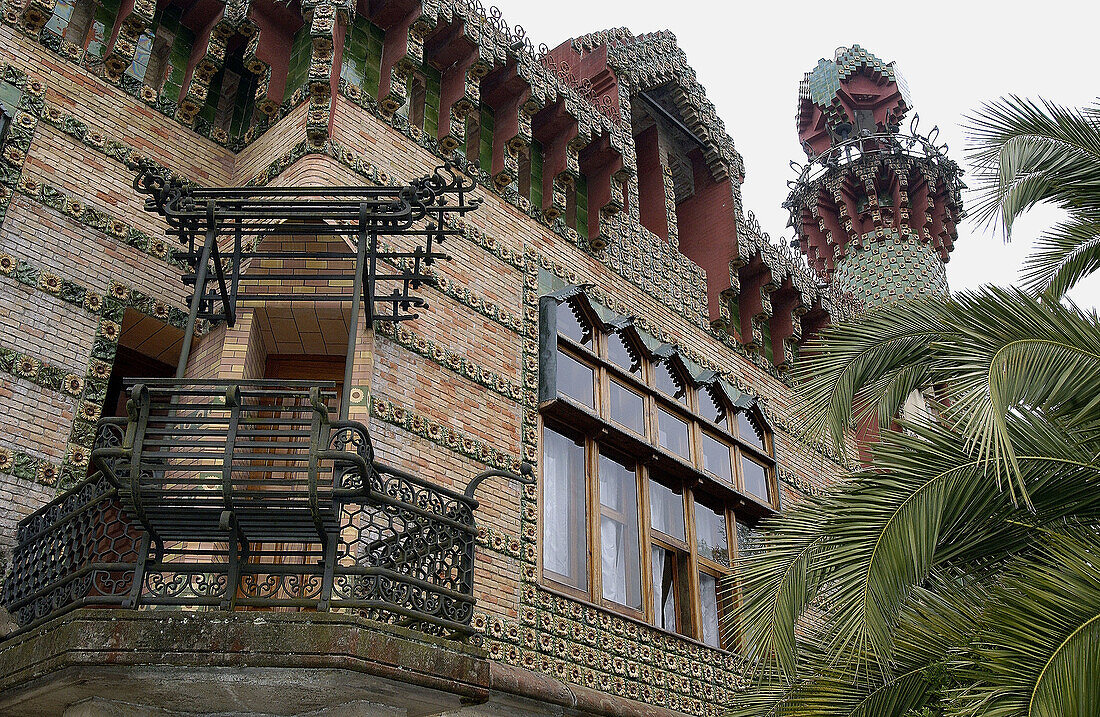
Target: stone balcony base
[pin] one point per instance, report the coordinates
(175, 663)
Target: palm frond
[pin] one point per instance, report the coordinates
(850, 559)
(1063, 256)
(1008, 350)
(1037, 649)
(873, 351)
(778, 589)
(996, 349)
(1026, 152)
(932, 627)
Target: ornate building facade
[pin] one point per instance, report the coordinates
(608, 318)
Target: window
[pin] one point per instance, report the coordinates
(143, 51)
(672, 433)
(627, 408)
(9, 102)
(671, 382)
(361, 62)
(300, 53)
(570, 324)
(61, 19)
(712, 545)
(415, 96)
(711, 408)
(231, 98)
(619, 547)
(564, 553)
(717, 458)
(152, 57)
(624, 354)
(479, 138)
(530, 174)
(575, 379)
(421, 106)
(576, 206)
(755, 477)
(648, 538)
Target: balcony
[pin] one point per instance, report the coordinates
(247, 495)
(258, 494)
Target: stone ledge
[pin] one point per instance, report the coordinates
(571, 699)
(252, 662)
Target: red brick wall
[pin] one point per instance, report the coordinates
(477, 318)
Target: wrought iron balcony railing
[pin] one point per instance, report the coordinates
(225, 495)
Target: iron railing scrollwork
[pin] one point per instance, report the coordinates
(868, 144)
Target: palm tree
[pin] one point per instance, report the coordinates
(1024, 153)
(959, 572)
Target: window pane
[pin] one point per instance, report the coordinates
(747, 430)
(664, 588)
(669, 382)
(708, 599)
(672, 433)
(97, 43)
(670, 582)
(756, 478)
(627, 407)
(575, 379)
(666, 509)
(716, 458)
(712, 409)
(619, 354)
(564, 541)
(619, 551)
(749, 541)
(142, 51)
(569, 325)
(710, 534)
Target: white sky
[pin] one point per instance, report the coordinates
(955, 56)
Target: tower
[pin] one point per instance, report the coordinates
(875, 206)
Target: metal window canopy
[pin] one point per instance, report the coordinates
(222, 231)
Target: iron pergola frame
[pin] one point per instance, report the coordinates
(222, 230)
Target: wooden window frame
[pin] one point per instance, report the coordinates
(416, 100)
(652, 462)
(544, 576)
(594, 449)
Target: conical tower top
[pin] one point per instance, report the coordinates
(854, 92)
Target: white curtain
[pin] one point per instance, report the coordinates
(613, 552)
(563, 508)
(708, 598)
